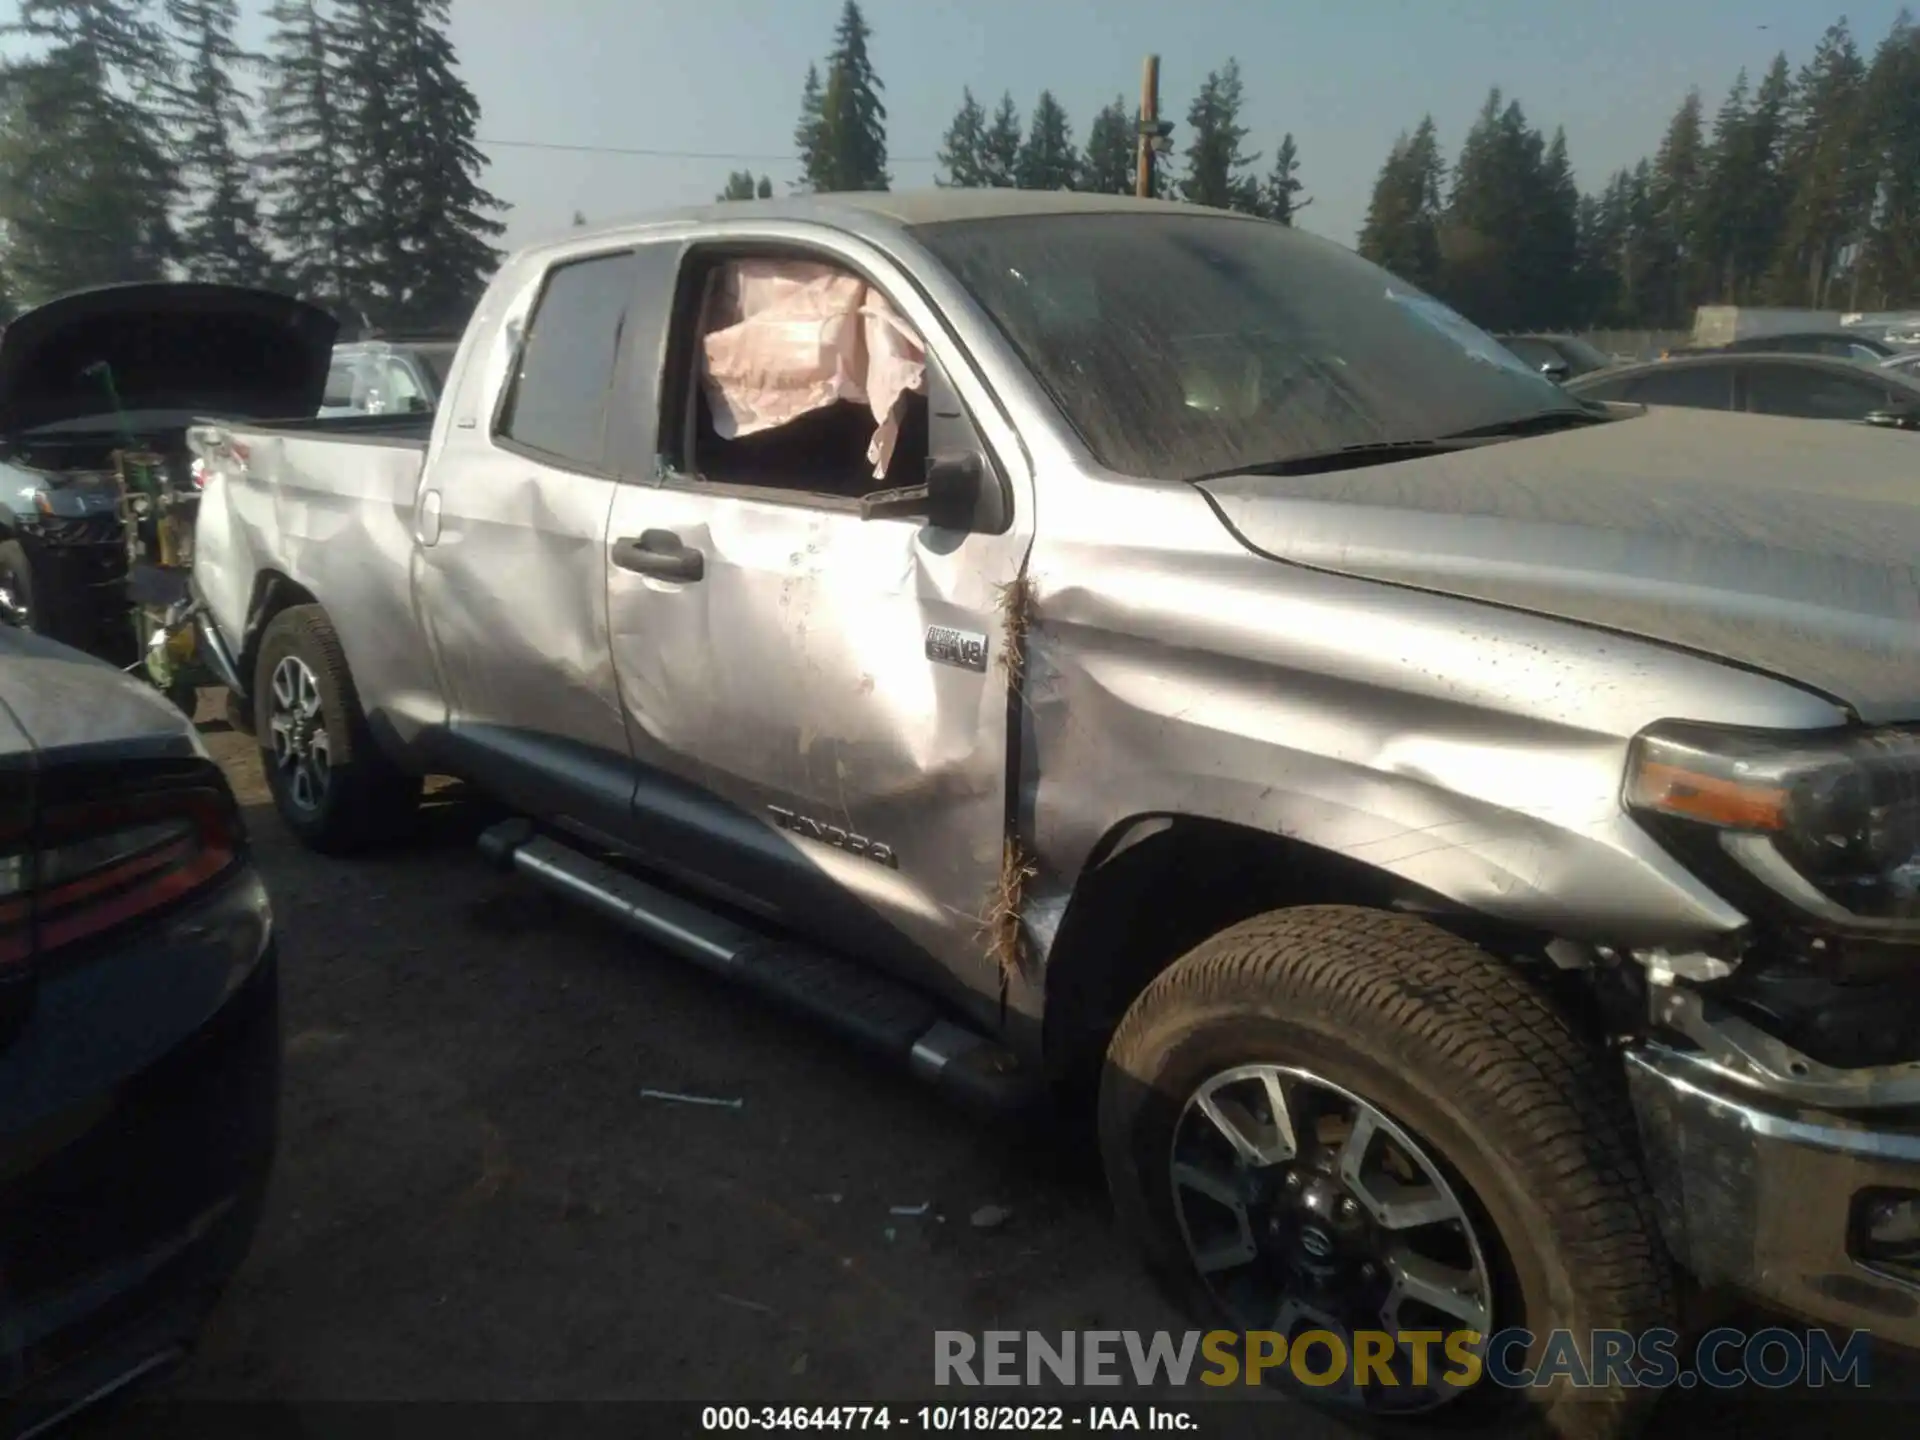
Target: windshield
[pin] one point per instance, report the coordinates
(436, 359)
(1182, 346)
(1583, 357)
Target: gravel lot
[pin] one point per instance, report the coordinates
(474, 1200)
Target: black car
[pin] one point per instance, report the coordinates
(97, 390)
(1840, 344)
(1559, 357)
(1809, 387)
(139, 1032)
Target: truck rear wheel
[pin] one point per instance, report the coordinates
(1343, 1120)
(330, 782)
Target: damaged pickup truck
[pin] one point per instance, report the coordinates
(1467, 838)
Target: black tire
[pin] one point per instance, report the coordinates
(16, 576)
(1530, 1120)
(367, 800)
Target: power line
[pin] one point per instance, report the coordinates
(676, 154)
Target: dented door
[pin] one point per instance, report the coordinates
(818, 708)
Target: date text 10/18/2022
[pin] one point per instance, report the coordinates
(948, 1419)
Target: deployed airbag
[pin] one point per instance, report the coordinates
(783, 338)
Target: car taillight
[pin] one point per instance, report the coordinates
(95, 866)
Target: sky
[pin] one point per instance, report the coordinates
(722, 78)
(714, 85)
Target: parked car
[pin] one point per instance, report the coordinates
(1559, 357)
(96, 392)
(1808, 387)
(376, 377)
(1153, 651)
(1842, 345)
(139, 1032)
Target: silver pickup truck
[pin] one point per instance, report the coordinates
(1465, 838)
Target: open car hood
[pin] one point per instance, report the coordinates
(210, 349)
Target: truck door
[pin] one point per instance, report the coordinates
(511, 580)
(816, 702)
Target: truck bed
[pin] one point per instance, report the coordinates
(413, 430)
(328, 506)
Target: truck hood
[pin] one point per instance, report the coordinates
(1785, 546)
(194, 348)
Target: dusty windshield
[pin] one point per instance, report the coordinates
(1179, 346)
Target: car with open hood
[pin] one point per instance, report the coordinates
(97, 389)
(1467, 838)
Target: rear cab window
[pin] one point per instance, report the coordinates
(555, 406)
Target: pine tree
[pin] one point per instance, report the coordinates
(1402, 229)
(1488, 271)
(1047, 160)
(961, 146)
(1679, 169)
(1729, 176)
(809, 135)
(1280, 195)
(742, 185)
(86, 188)
(1826, 167)
(1000, 153)
(419, 240)
(223, 238)
(853, 119)
(309, 185)
(1891, 264)
(1551, 242)
(1216, 166)
(1112, 145)
(1758, 235)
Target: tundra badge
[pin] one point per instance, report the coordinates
(962, 648)
(835, 835)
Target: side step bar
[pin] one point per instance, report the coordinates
(875, 1011)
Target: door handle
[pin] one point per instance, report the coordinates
(428, 528)
(661, 554)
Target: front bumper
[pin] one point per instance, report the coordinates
(1763, 1198)
(123, 1214)
(80, 579)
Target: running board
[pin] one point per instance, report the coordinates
(876, 1012)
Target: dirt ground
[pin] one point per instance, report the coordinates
(475, 1201)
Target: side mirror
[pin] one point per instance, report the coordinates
(1896, 417)
(1554, 370)
(419, 405)
(950, 498)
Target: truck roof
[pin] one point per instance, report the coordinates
(864, 212)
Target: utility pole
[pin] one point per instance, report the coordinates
(1154, 131)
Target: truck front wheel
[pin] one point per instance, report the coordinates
(330, 782)
(1355, 1123)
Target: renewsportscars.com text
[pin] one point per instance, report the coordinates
(1725, 1359)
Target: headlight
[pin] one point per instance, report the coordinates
(1829, 821)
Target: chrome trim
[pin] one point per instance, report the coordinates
(1762, 1202)
(1736, 1051)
